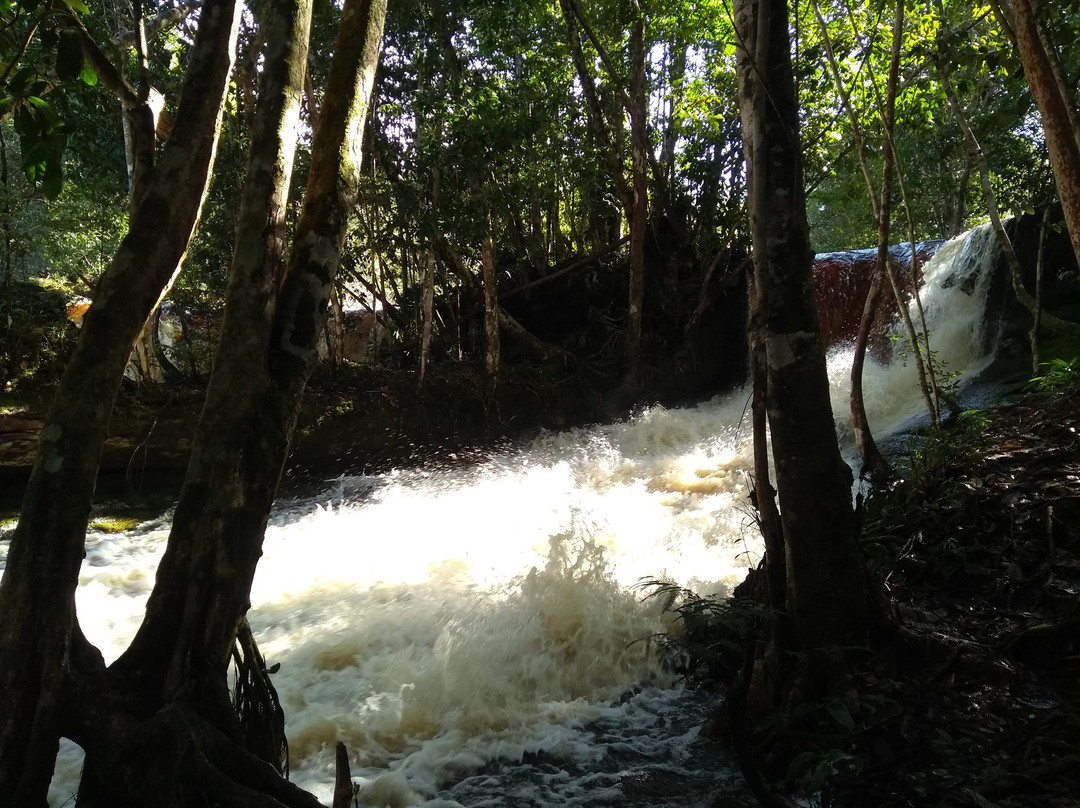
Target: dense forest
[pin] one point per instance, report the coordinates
(512, 124)
(582, 206)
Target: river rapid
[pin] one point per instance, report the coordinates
(477, 633)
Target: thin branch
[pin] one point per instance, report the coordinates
(140, 51)
(110, 76)
(162, 21)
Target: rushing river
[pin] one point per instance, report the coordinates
(477, 635)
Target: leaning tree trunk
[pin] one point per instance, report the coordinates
(1057, 325)
(596, 116)
(40, 642)
(142, 107)
(873, 460)
(813, 482)
(265, 357)
(858, 136)
(226, 487)
(1053, 109)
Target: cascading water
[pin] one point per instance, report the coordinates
(475, 635)
(963, 338)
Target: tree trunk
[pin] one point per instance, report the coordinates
(266, 353)
(219, 495)
(1053, 323)
(764, 495)
(639, 210)
(594, 107)
(813, 482)
(491, 313)
(873, 461)
(875, 466)
(427, 302)
(1054, 111)
(920, 350)
(543, 351)
(845, 102)
(622, 98)
(427, 295)
(40, 642)
(676, 89)
(168, 692)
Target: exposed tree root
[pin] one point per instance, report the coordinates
(256, 703)
(176, 759)
(343, 787)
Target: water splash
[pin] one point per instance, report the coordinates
(474, 634)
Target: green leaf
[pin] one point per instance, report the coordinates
(841, 714)
(76, 5)
(19, 81)
(24, 122)
(53, 180)
(88, 76)
(69, 55)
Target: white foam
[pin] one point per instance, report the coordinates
(442, 622)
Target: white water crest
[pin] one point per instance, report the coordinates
(962, 339)
(476, 635)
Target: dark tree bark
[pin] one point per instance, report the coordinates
(427, 308)
(677, 76)
(622, 97)
(247, 423)
(169, 692)
(605, 126)
(40, 642)
(491, 311)
(813, 482)
(1058, 325)
(543, 351)
(594, 107)
(231, 475)
(639, 210)
(764, 496)
(141, 106)
(1054, 106)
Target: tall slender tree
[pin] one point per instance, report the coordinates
(1057, 110)
(169, 691)
(41, 644)
(813, 482)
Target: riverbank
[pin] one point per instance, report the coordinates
(978, 547)
(980, 551)
(353, 420)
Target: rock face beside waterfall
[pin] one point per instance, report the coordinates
(842, 280)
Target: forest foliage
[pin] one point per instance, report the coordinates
(509, 144)
(484, 106)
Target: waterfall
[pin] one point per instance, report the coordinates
(963, 338)
(475, 634)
